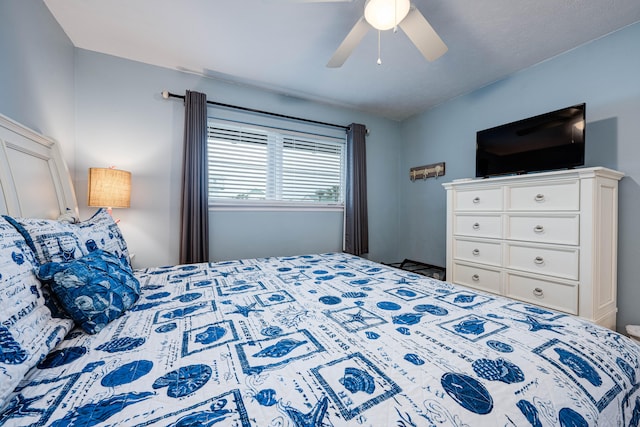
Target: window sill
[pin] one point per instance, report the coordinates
(273, 206)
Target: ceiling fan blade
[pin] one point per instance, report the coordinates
(349, 43)
(422, 34)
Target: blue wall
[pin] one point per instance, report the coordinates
(36, 71)
(122, 120)
(604, 74)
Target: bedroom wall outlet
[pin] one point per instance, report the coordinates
(433, 170)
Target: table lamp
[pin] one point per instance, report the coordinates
(109, 188)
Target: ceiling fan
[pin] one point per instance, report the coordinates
(384, 15)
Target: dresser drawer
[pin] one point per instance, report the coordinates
(476, 277)
(478, 225)
(544, 229)
(558, 262)
(487, 199)
(483, 252)
(562, 196)
(547, 293)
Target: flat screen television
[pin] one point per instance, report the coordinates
(550, 141)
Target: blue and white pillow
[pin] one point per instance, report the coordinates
(102, 232)
(27, 329)
(61, 241)
(94, 289)
(50, 241)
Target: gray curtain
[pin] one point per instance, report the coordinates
(356, 230)
(194, 218)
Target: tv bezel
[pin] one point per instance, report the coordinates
(524, 124)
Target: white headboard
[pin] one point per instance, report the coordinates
(34, 179)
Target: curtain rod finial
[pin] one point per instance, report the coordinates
(165, 94)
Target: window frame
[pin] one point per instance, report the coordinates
(280, 205)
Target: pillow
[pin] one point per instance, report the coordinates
(94, 289)
(61, 241)
(49, 240)
(27, 329)
(102, 232)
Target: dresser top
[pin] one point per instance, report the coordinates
(578, 173)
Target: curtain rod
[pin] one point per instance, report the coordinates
(166, 95)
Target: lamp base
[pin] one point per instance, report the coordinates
(116, 220)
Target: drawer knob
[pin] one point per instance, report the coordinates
(476, 226)
(539, 197)
(539, 260)
(476, 252)
(475, 278)
(476, 200)
(538, 229)
(538, 292)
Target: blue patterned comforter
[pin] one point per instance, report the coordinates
(329, 340)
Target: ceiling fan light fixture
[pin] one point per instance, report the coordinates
(385, 14)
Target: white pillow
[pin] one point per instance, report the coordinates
(60, 241)
(27, 329)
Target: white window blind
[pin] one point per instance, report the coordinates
(271, 166)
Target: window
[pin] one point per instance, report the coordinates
(255, 165)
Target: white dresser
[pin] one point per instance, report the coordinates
(548, 239)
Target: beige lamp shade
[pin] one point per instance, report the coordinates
(109, 188)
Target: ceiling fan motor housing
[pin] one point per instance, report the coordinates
(385, 14)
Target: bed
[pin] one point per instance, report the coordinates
(308, 340)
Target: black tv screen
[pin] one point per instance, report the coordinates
(550, 141)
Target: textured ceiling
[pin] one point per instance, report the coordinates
(284, 45)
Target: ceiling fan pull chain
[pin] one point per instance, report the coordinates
(379, 60)
(395, 16)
